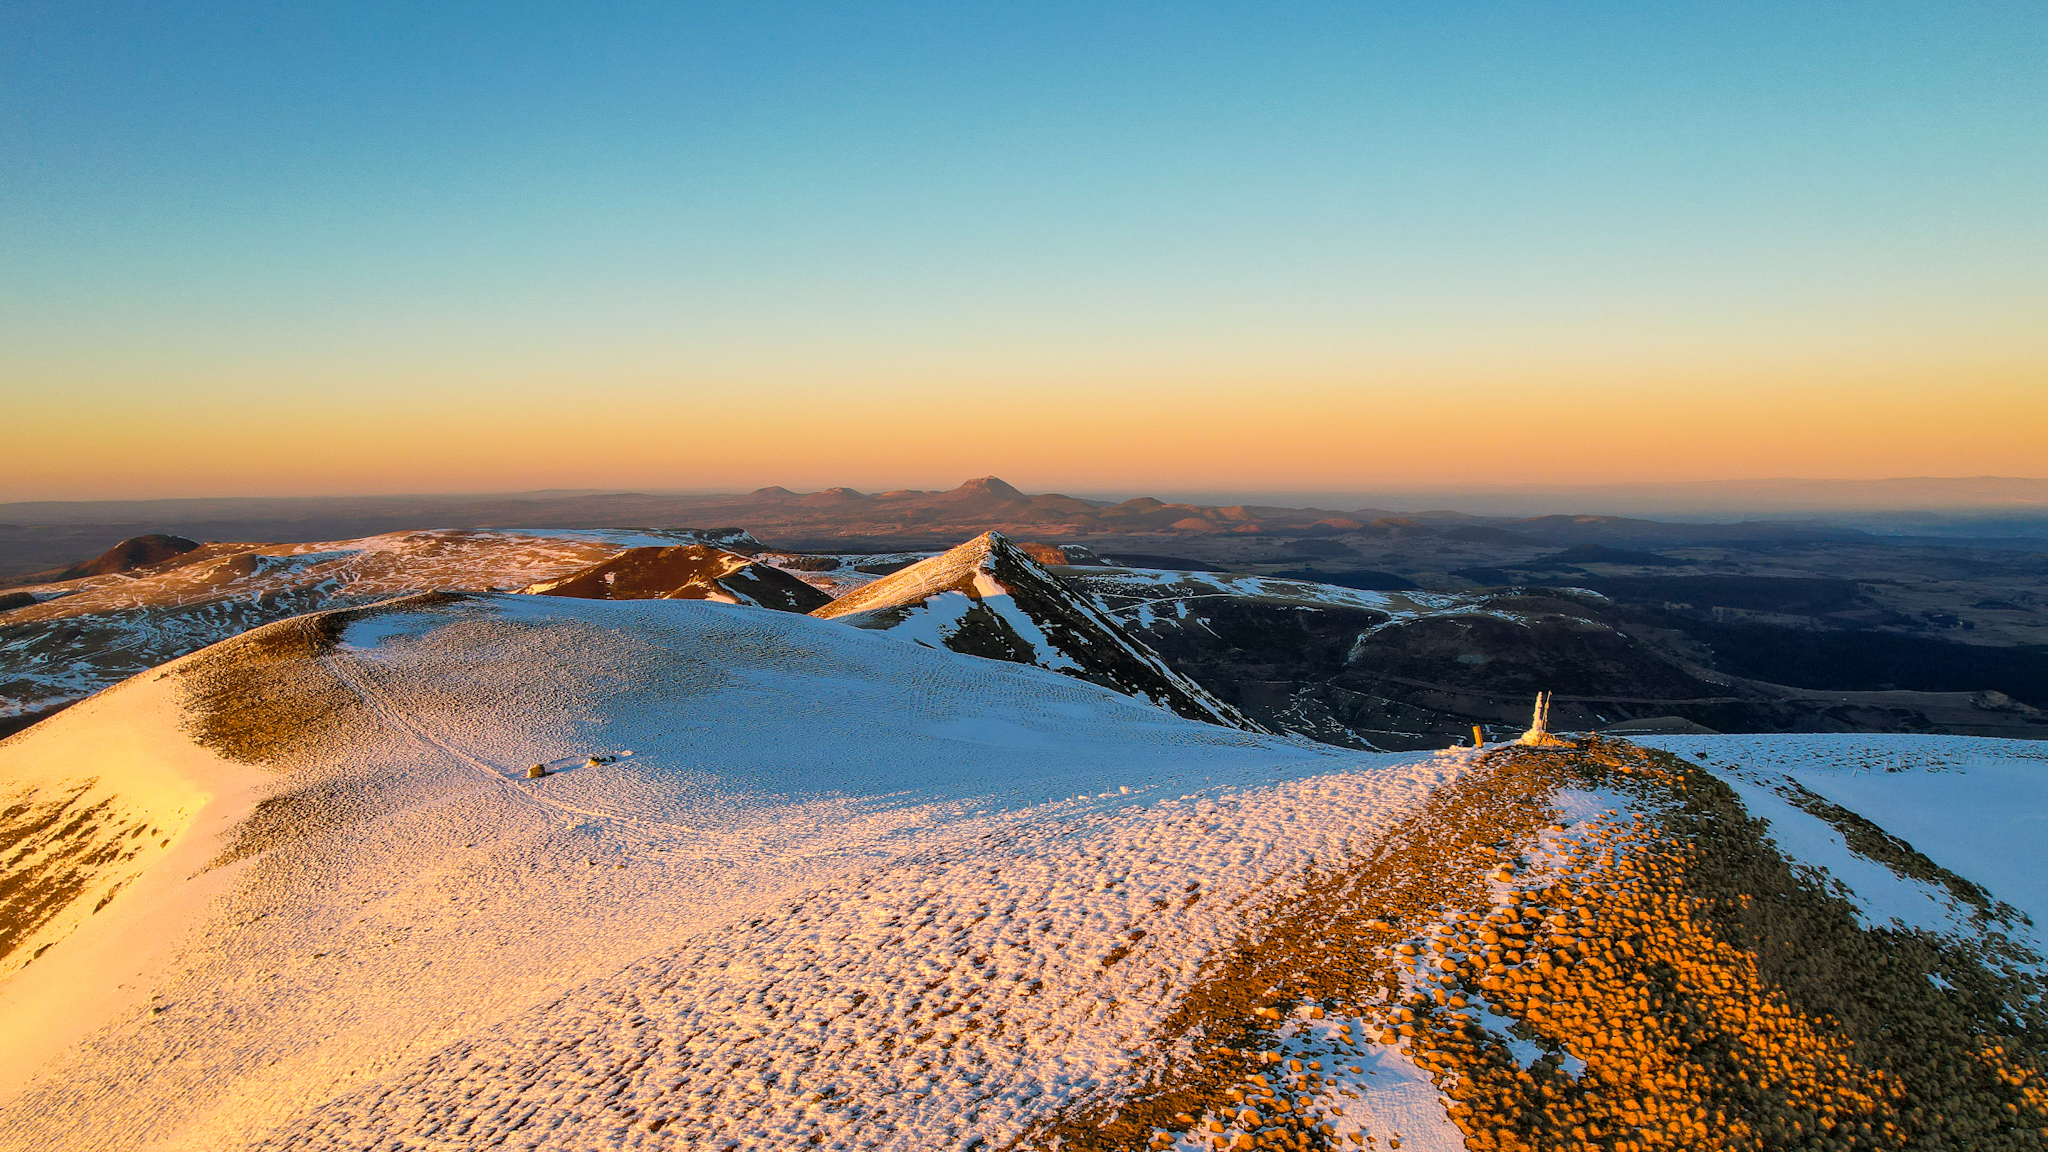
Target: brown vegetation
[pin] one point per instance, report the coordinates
(53, 848)
(1717, 998)
(261, 695)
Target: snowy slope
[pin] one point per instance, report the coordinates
(108, 822)
(785, 883)
(410, 887)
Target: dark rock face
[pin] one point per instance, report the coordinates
(773, 588)
(688, 572)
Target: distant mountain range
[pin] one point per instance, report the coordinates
(39, 537)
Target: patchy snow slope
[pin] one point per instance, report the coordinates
(93, 632)
(1144, 596)
(1134, 592)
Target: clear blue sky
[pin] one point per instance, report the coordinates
(206, 206)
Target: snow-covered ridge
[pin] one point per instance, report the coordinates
(961, 995)
(987, 597)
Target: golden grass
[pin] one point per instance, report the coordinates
(1718, 998)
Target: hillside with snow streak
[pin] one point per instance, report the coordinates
(988, 597)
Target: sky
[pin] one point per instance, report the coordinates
(366, 247)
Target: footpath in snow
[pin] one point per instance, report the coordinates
(784, 813)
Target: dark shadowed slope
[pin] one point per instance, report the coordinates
(690, 572)
(149, 551)
(1420, 669)
(135, 552)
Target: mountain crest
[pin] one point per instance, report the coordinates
(989, 598)
(960, 569)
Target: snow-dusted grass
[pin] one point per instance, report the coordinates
(959, 995)
(97, 631)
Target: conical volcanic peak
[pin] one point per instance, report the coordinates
(989, 598)
(986, 488)
(689, 572)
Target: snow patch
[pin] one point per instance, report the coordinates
(1973, 805)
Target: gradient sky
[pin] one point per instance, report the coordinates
(416, 247)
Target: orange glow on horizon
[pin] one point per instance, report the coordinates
(1223, 429)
